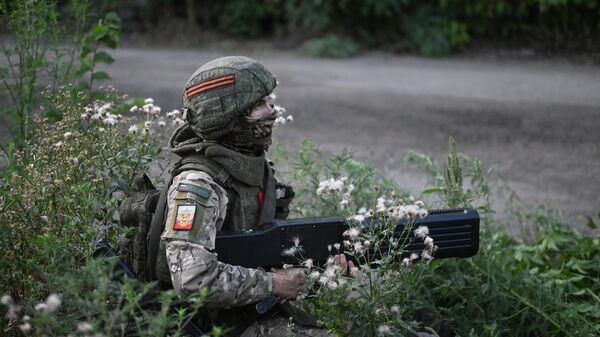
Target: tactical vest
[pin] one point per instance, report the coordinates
(250, 186)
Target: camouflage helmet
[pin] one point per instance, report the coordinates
(221, 90)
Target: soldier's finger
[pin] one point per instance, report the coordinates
(343, 261)
(336, 259)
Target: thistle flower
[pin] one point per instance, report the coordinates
(296, 241)
(148, 101)
(308, 264)
(352, 233)
(147, 124)
(358, 247)
(380, 207)
(53, 302)
(314, 275)
(421, 232)
(428, 242)
(133, 129)
(383, 330)
(134, 109)
(280, 120)
(290, 118)
(84, 327)
(6, 300)
(358, 218)
(25, 327)
(162, 123)
(336, 246)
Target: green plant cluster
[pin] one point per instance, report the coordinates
(45, 48)
(547, 285)
(429, 27)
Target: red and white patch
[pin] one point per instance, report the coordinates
(184, 219)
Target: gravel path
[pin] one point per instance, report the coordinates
(538, 121)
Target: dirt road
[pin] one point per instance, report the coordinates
(537, 120)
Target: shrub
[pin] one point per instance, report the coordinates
(330, 45)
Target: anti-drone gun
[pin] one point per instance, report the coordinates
(455, 232)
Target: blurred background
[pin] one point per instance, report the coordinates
(516, 83)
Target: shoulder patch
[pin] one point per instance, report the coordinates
(184, 218)
(197, 190)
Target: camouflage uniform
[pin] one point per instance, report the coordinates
(232, 188)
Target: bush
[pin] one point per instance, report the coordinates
(331, 45)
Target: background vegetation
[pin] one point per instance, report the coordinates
(430, 27)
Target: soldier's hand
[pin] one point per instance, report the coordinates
(345, 265)
(287, 283)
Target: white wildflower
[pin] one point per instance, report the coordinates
(358, 218)
(414, 256)
(53, 302)
(134, 109)
(367, 243)
(352, 233)
(358, 247)
(308, 263)
(25, 327)
(362, 210)
(290, 118)
(329, 248)
(287, 266)
(332, 285)
(148, 101)
(353, 271)
(314, 275)
(344, 203)
(383, 329)
(147, 124)
(40, 306)
(323, 280)
(110, 121)
(290, 251)
(336, 246)
(26, 318)
(58, 145)
(428, 241)
(133, 129)
(6, 300)
(280, 120)
(178, 121)
(68, 134)
(101, 130)
(296, 241)
(347, 243)
(419, 203)
(329, 261)
(84, 327)
(421, 232)
(74, 160)
(330, 272)
(406, 262)
(395, 308)
(426, 256)
(381, 205)
(156, 110)
(162, 123)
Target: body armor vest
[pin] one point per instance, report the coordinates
(244, 178)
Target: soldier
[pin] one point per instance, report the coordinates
(224, 182)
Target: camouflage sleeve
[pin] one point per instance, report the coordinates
(196, 209)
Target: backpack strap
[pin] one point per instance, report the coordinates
(197, 162)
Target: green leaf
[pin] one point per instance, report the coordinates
(98, 32)
(97, 95)
(590, 222)
(433, 190)
(85, 50)
(100, 76)
(113, 20)
(53, 116)
(104, 57)
(83, 68)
